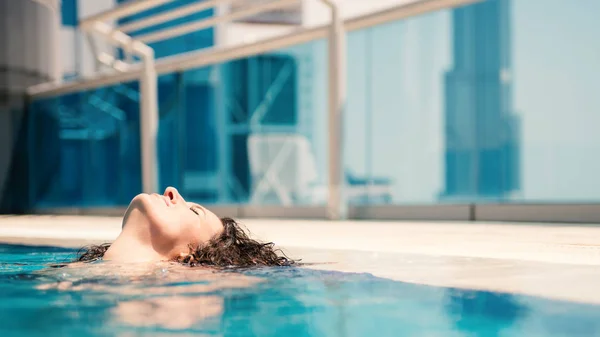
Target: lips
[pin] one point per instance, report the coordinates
(164, 198)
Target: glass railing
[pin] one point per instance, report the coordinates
(491, 102)
(246, 131)
(276, 110)
(249, 130)
(84, 148)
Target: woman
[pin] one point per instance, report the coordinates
(167, 228)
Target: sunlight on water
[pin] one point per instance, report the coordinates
(164, 299)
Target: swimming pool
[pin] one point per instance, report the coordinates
(168, 300)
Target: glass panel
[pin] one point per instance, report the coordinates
(394, 127)
(250, 130)
(473, 104)
(555, 76)
(476, 104)
(247, 131)
(191, 41)
(69, 13)
(262, 141)
(84, 148)
(187, 135)
(169, 139)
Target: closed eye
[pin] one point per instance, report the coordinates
(197, 209)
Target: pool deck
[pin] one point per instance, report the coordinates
(555, 261)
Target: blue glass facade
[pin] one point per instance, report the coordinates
(84, 148)
(262, 94)
(69, 13)
(493, 101)
(179, 44)
(186, 139)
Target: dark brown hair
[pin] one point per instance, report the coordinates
(232, 248)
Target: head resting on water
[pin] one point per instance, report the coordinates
(168, 228)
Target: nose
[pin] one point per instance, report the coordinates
(173, 194)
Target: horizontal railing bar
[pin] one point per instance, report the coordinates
(207, 23)
(170, 15)
(127, 9)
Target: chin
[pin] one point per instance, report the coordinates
(137, 205)
(139, 197)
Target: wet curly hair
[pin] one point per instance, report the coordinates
(232, 248)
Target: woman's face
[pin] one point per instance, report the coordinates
(170, 223)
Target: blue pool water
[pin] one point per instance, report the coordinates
(169, 300)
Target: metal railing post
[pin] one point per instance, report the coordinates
(337, 208)
(148, 119)
(148, 100)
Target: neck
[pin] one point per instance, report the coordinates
(133, 244)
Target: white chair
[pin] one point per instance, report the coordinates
(284, 166)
